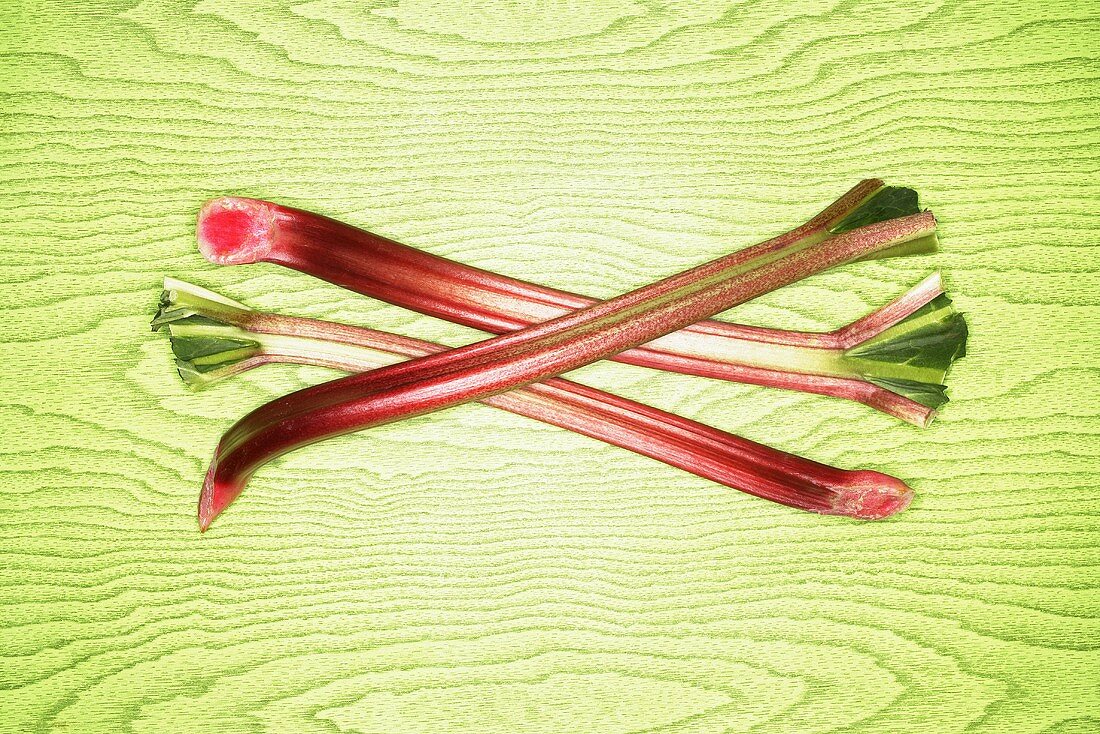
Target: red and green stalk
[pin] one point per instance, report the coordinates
(236, 230)
(214, 337)
(496, 365)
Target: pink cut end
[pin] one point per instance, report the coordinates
(873, 496)
(236, 231)
(214, 498)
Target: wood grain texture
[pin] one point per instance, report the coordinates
(473, 571)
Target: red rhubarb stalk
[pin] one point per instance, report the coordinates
(215, 337)
(234, 230)
(545, 350)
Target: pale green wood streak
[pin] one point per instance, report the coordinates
(475, 571)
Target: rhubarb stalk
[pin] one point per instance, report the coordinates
(214, 337)
(234, 230)
(535, 353)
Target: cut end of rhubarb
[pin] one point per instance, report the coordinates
(885, 202)
(214, 498)
(912, 357)
(206, 333)
(236, 231)
(872, 496)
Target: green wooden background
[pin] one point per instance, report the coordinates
(474, 571)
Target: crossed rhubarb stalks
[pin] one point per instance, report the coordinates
(894, 359)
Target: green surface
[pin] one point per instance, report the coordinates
(474, 571)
